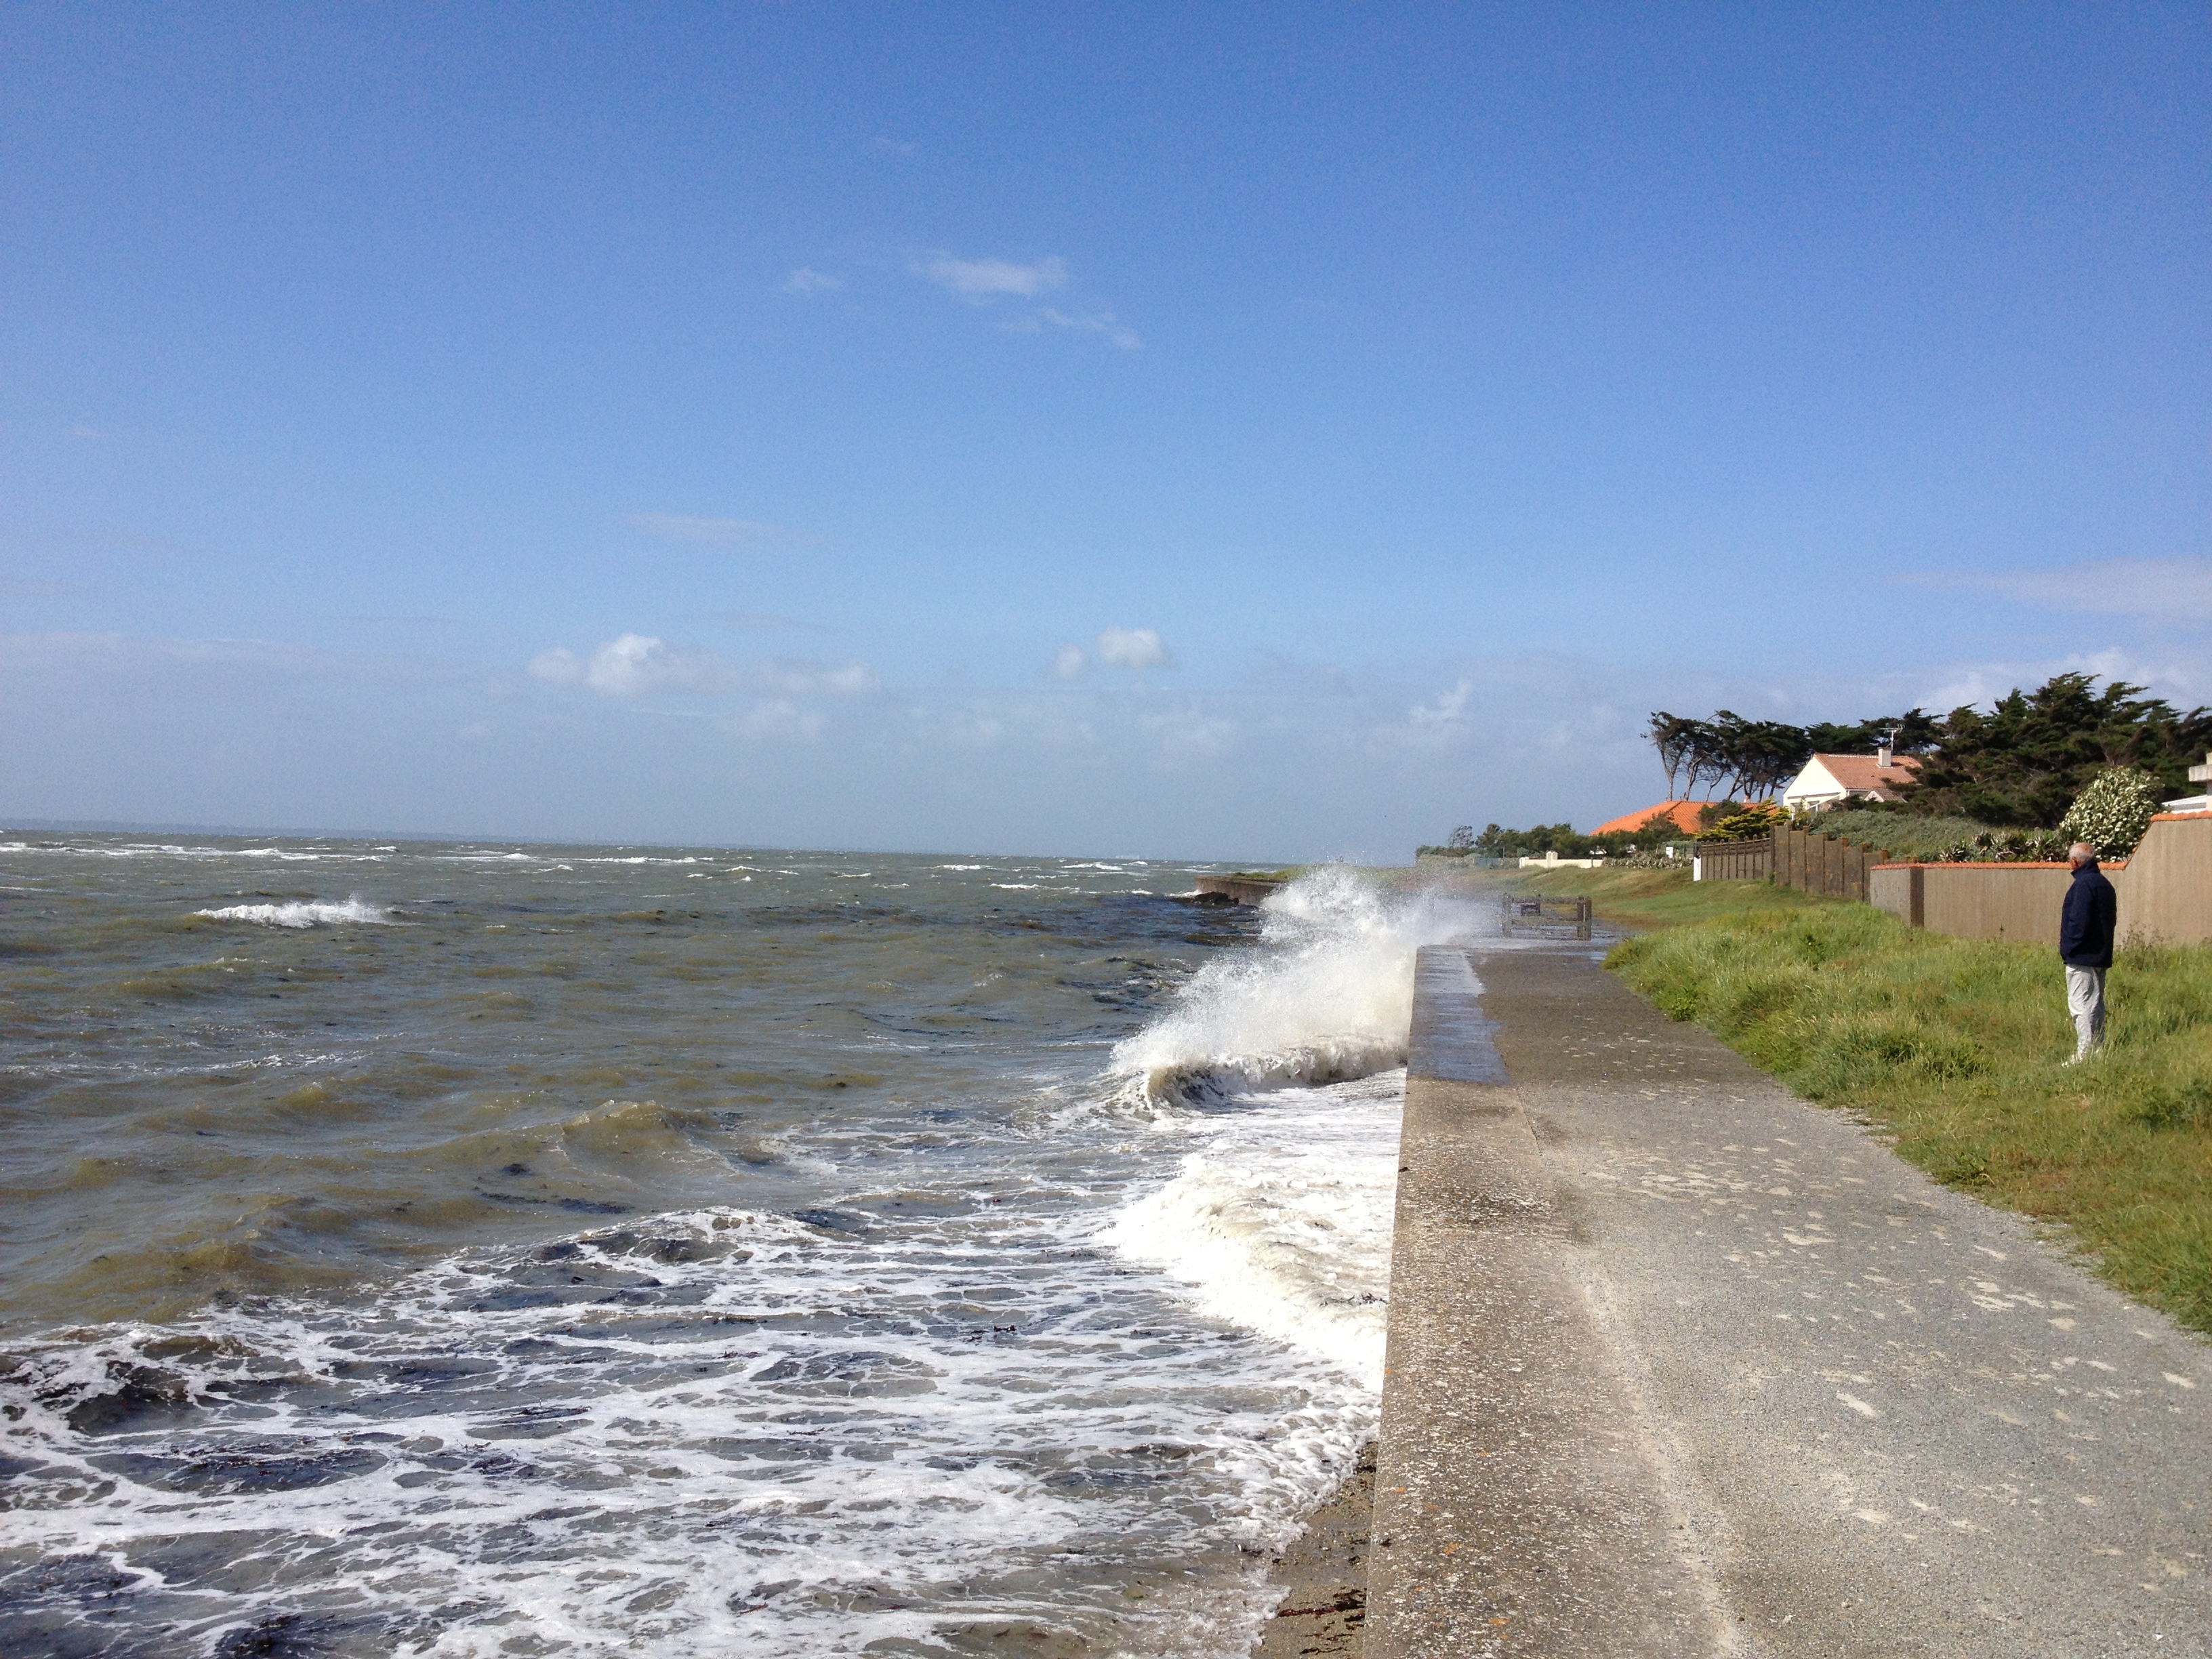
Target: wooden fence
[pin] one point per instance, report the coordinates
(1803, 859)
(1735, 861)
(1831, 867)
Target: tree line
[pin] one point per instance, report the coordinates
(2020, 765)
(1753, 758)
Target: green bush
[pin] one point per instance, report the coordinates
(1893, 831)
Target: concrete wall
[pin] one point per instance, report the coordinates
(2164, 891)
(2018, 902)
(1237, 889)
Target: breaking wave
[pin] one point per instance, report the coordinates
(1281, 1223)
(303, 913)
(1326, 997)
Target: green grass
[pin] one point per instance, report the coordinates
(1955, 1045)
(1654, 898)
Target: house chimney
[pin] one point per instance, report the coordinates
(1881, 753)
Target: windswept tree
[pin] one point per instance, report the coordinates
(2019, 765)
(1705, 759)
(1759, 755)
(1671, 735)
(1912, 732)
(2022, 763)
(1757, 758)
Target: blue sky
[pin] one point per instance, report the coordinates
(1252, 431)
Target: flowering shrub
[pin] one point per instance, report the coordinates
(2112, 812)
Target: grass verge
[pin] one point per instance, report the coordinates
(1656, 898)
(1955, 1045)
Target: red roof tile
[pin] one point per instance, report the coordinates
(1682, 813)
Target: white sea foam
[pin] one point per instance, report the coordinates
(303, 913)
(1281, 1223)
(1328, 996)
(778, 1437)
(1088, 1402)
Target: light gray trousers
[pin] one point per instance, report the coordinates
(2085, 1001)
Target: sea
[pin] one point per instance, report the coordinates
(462, 1248)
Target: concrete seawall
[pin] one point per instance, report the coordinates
(1519, 1506)
(1236, 889)
(1681, 1364)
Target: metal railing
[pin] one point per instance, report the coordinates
(1545, 915)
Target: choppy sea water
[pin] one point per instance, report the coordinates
(527, 1250)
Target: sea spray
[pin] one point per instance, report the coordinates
(1327, 996)
(1283, 1059)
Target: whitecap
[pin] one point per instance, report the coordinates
(303, 913)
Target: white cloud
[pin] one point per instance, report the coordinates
(637, 664)
(557, 666)
(1190, 734)
(1445, 717)
(808, 280)
(1069, 662)
(1120, 334)
(629, 665)
(1134, 647)
(778, 720)
(717, 532)
(983, 280)
(800, 679)
(969, 726)
(2176, 589)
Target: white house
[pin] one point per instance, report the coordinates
(2195, 803)
(1830, 779)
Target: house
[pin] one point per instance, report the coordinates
(2195, 803)
(1831, 780)
(1682, 815)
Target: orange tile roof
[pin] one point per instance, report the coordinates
(1864, 774)
(1683, 814)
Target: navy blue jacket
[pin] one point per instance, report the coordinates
(2085, 926)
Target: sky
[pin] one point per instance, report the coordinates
(1271, 432)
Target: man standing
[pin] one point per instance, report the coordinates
(2084, 945)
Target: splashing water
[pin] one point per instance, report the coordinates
(1329, 999)
(969, 1257)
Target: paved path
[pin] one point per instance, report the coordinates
(1683, 1364)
